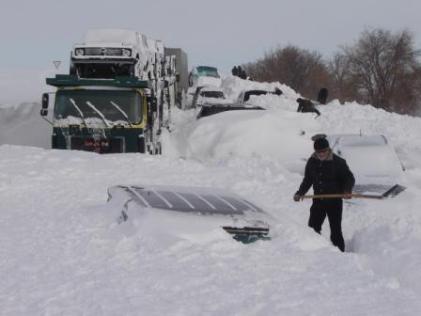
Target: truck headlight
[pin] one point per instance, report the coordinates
(79, 51)
(127, 52)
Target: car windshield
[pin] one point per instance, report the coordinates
(366, 140)
(207, 71)
(113, 104)
(213, 94)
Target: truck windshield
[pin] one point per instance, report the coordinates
(128, 102)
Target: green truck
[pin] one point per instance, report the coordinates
(117, 96)
(106, 116)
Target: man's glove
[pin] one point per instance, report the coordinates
(347, 195)
(297, 197)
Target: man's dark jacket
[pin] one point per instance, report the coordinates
(328, 176)
(305, 105)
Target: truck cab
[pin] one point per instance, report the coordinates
(105, 116)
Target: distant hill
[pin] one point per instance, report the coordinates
(22, 125)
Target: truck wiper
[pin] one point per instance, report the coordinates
(102, 116)
(73, 102)
(121, 111)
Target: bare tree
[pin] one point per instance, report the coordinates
(302, 70)
(382, 67)
(342, 84)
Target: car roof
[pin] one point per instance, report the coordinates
(185, 199)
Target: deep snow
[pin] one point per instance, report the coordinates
(63, 252)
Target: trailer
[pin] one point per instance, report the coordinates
(181, 68)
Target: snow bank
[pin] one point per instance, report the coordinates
(274, 134)
(63, 252)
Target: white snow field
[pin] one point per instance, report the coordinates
(62, 251)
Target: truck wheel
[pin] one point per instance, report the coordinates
(141, 145)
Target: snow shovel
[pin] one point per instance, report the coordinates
(392, 192)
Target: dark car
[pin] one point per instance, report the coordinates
(245, 95)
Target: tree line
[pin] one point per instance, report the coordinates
(381, 68)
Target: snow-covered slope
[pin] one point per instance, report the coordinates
(62, 251)
(22, 125)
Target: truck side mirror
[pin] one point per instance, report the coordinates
(154, 104)
(44, 103)
(43, 112)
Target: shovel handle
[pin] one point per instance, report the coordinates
(341, 196)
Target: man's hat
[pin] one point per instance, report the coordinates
(321, 143)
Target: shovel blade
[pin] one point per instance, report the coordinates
(394, 191)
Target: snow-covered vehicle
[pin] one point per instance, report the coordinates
(204, 76)
(118, 96)
(188, 210)
(244, 96)
(107, 53)
(208, 109)
(208, 94)
(371, 158)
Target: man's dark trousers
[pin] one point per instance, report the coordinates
(333, 209)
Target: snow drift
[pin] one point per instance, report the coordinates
(62, 250)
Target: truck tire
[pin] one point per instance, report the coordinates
(141, 145)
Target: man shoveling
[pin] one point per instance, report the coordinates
(328, 174)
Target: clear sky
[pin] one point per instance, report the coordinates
(218, 32)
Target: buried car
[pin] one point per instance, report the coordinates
(371, 158)
(244, 96)
(190, 210)
(208, 109)
(204, 75)
(208, 94)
